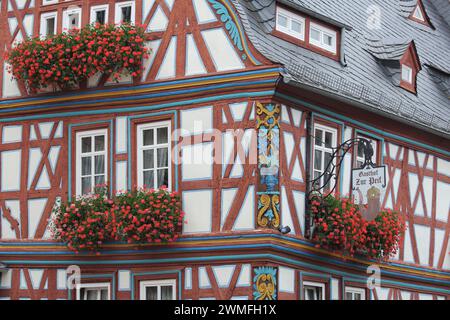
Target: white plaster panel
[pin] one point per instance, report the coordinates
(221, 50)
(423, 242)
(238, 110)
(244, 276)
(158, 22)
(35, 210)
(299, 202)
(121, 176)
(223, 275)
(286, 279)
(442, 201)
(12, 134)
(124, 278)
(203, 279)
(286, 219)
(203, 11)
(10, 88)
(443, 166)
(194, 62)
(197, 161)
(61, 279)
(227, 201)
(334, 289)
(5, 279)
(188, 278)
(10, 169)
(196, 120)
(167, 68)
(14, 208)
(121, 134)
(245, 219)
(197, 205)
(153, 46)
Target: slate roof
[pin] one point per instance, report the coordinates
(360, 77)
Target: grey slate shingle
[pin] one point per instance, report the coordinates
(363, 78)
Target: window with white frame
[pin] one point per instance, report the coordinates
(125, 12)
(99, 14)
(48, 24)
(71, 19)
(323, 37)
(154, 158)
(92, 160)
(158, 289)
(93, 291)
(360, 159)
(313, 290)
(290, 23)
(355, 293)
(406, 73)
(325, 139)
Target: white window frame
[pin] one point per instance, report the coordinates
(49, 2)
(95, 9)
(79, 136)
(324, 149)
(313, 284)
(118, 12)
(407, 73)
(140, 148)
(354, 290)
(418, 14)
(43, 27)
(323, 31)
(66, 18)
(157, 283)
(374, 144)
(95, 286)
(290, 16)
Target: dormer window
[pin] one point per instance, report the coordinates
(307, 32)
(290, 23)
(419, 14)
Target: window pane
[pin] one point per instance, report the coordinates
(318, 159)
(73, 20)
(163, 177)
(104, 294)
(91, 295)
(327, 161)
(328, 139)
(50, 26)
(148, 137)
(357, 296)
(318, 136)
(85, 185)
(99, 164)
(86, 166)
(162, 159)
(86, 144)
(149, 180)
(126, 14)
(348, 296)
(166, 292)
(100, 143)
(162, 134)
(282, 20)
(315, 34)
(328, 40)
(149, 159)
(296, 26)
(100, 16)
(99, 180)
(151, 293)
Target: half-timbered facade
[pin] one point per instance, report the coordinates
(226, 81)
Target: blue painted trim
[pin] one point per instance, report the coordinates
(143, 108)
(362, 125)
(69, 160)
(148, 86)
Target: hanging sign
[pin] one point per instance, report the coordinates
(368, 188)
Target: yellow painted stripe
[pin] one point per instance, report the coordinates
(245, 241)
(139, 91)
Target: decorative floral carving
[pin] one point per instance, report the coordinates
(265, 283)
(230, 25)
(268, 210)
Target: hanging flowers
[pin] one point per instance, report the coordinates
(69, 58)
(139, 216)
(339, 226)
